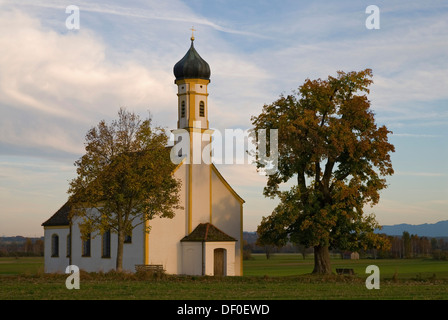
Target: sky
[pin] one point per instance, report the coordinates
(58, 82)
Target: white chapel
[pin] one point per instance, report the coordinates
(204, 238)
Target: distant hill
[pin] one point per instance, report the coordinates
(430, 230)
(250, 237)
(439, 229)
(18, 239)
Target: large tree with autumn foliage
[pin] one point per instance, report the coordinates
(337, 157)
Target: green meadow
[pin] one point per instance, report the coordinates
(283, 276)
(293, 264)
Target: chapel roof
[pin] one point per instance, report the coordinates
(206, 232)
(60, 218)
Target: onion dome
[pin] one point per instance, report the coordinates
(192, 66)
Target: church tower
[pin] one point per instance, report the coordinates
(192, 78)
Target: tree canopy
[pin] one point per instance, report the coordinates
(329, 144)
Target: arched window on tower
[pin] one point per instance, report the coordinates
(202, 109)
(182, 109)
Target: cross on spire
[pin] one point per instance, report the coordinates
(192, 33)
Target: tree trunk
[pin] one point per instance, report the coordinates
(268, 251)
(119, 265)
(322, 263)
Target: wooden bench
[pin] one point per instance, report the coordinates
(149, 267)
(345, 271)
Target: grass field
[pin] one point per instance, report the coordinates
(292, 264)
(283, 277)
(21, 266)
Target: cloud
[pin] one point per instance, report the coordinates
(52, 72)
(172, 11)
(52, 85)
(74, 79)
(407, 56)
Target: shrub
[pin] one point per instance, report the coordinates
(247, 254)
(438, 254)
(150, 275)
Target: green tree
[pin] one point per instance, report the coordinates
(329, 144)
(407, 249)
(270, 235)
(28, 246)
(124, 179)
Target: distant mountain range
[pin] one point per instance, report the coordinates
(18, 239)
(430, 230)
(439, 229)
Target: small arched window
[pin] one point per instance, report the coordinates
(182, 109)
(54, 246)
(202, 109)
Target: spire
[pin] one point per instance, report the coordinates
(192, 66)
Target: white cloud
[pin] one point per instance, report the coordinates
(43, 69)
(407, 55)
(66, 78)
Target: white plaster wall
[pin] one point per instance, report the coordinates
(226, 216)
(201, 88)
(60, 263)
(200, 194)
(164, 246)
(192, 258)
(132, 252)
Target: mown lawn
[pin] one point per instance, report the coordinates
(292, 264)
(283, 277)
(21, 265)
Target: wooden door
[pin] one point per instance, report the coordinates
(219, 262)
